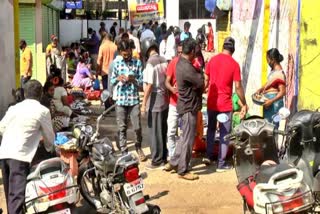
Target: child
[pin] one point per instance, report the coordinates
(237, 115)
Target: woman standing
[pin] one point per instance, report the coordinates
(275, 88)
(210, 38)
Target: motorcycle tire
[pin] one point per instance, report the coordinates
(80, 180)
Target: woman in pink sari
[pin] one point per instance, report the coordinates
(275, 88)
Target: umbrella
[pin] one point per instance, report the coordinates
(210, 5)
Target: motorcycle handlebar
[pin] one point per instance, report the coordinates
(230, 136)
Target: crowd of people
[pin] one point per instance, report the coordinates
(164, 63)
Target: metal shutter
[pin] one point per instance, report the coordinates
(27, 30)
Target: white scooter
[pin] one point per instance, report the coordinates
(50, 188)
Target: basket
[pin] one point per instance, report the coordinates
(258, 99)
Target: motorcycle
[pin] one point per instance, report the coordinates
(266, 184)
(50, 188)
(110, 182)
(303, 147)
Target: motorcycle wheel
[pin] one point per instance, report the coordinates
(87, 182)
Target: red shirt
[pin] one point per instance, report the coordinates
(222, 70)
(171, 72)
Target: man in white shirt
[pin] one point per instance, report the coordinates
(22, 128)
(147, 33)
(170, 45)
(135, 40)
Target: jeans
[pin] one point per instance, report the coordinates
(183, 152)
(225, 129)
(104, 79)
(24, 80)
(172, 122)
(14, 175)
(157, 124)
(122, 113)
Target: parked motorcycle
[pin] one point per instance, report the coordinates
(110, 182)
(266, 184)
(50, 188)
(303, 147)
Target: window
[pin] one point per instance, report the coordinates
(193, 9)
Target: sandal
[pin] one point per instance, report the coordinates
(189, 176)
(141, 155)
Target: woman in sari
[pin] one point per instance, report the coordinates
(275, 88)
(210, 38)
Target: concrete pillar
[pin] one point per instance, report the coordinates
(39, 59)
(172, 12)
(7, 54)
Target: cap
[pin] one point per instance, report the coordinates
(53, 37)
(229, 41)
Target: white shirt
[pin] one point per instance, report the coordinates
(147, 33)
(163, 48)
(170, 47)
(22, 128)
(136, 43)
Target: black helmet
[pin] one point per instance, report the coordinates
(102, 155)
(176, 30)
(146, 44)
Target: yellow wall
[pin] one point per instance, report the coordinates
(309, 91)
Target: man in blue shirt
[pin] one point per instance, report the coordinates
(186, 34)
(127, 80)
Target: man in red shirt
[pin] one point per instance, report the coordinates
(171, 84)
(221, 72)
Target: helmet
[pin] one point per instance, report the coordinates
(176, 30)
(146, 44)
(102, 155)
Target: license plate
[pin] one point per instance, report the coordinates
(131, 189)
(64, 211)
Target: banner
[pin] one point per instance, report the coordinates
(142, 11)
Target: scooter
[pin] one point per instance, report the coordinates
(50, 188)
(110, 182)
(303, 148)
(266, 184)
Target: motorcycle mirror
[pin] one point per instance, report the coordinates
(222, 118)
(277, 118)
(105, 95)
(284, 113)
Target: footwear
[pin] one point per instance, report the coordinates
(224, 168)
(141, 155)
(168, 167)
(189, 176)
(151, 166)
(207, 161)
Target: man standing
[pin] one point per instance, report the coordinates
(173, 116)
(155, 101)
(22, 128)
(186, 34)
(106, 55)
(93, 47)
(190, 87)
(147, 33)
(113, 30)
(25, 63)
(53, 53)
(127, 81)
(221, 72)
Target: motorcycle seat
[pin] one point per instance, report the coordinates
(266, 172)
(46, 166)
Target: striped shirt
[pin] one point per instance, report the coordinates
(127, 93)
